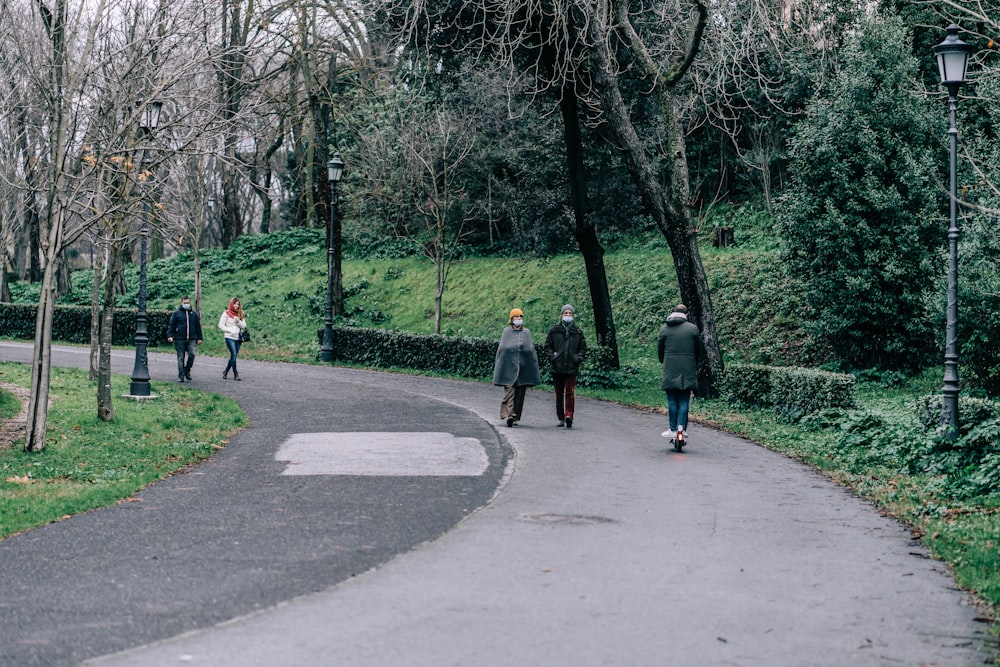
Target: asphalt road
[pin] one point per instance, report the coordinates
(374, 519)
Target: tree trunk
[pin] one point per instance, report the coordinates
(105, 404)
(34, 241)
(197, 279)
(669, 208)
(438, 295)
(41, 361)
(230, 74)
(41, 365)
(232, 225)
(266, 205)
(4, 287)
(95, 310)
(586, 235)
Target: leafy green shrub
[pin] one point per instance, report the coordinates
(599, 372)
(791, 392)
(985, 480)
(971, 411)
(868, 441)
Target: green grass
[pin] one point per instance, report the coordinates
(9, 404)
(88, 464)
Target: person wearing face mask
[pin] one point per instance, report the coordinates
(565, 347)
(232, 322)
(184, 331)
(516, 367)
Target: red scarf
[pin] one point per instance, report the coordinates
(234, 311)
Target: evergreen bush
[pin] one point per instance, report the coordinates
(791, 392)
(861, 215)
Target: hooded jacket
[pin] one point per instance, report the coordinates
(679, 348)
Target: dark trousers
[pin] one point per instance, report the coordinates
(565, 386)
(513, 402)
(185, 356)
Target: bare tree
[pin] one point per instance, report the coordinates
(91, 64)
(437, 147)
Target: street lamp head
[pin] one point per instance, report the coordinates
(953, 58)
(334, 168)
(149, 114)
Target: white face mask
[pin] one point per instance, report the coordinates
(567, 318)
(517, 322)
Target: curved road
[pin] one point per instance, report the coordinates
(374, 519)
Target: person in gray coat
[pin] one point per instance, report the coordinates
(680, 348)
(516, 367)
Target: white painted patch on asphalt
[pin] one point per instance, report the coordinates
(381, 453)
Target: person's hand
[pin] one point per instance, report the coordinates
(199, 341)
(170, 340)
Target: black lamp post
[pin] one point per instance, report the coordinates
(334, 170)
(149, 118)
(953, 59)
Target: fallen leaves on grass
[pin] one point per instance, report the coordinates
(20, 480)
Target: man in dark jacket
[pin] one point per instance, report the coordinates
(679, 348)
(565, 348)
(184, 331)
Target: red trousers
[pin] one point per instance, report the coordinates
(565, 386)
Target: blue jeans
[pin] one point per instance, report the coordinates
(678, 403)
(234, 349)
(185, 356)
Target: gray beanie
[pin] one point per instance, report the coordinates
(568, 307)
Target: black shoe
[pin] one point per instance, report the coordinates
(562, 422)
(510, 421)
(187, 376)
(569, 422)
(225, 374)
(180, 379)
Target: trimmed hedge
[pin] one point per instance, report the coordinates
(71, 324)
(457, 355)
(792, 392)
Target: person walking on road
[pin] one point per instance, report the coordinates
(184, 331)
(516, 367)
(565, 348)
(680, 348)
(233, 322)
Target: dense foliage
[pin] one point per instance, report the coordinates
(861, 217)
(979, 263)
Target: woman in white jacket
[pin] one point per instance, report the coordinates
(233, 322)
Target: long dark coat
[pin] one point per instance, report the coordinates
(517, 361)
(679, 347)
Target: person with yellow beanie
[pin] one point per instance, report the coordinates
(516, 366)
